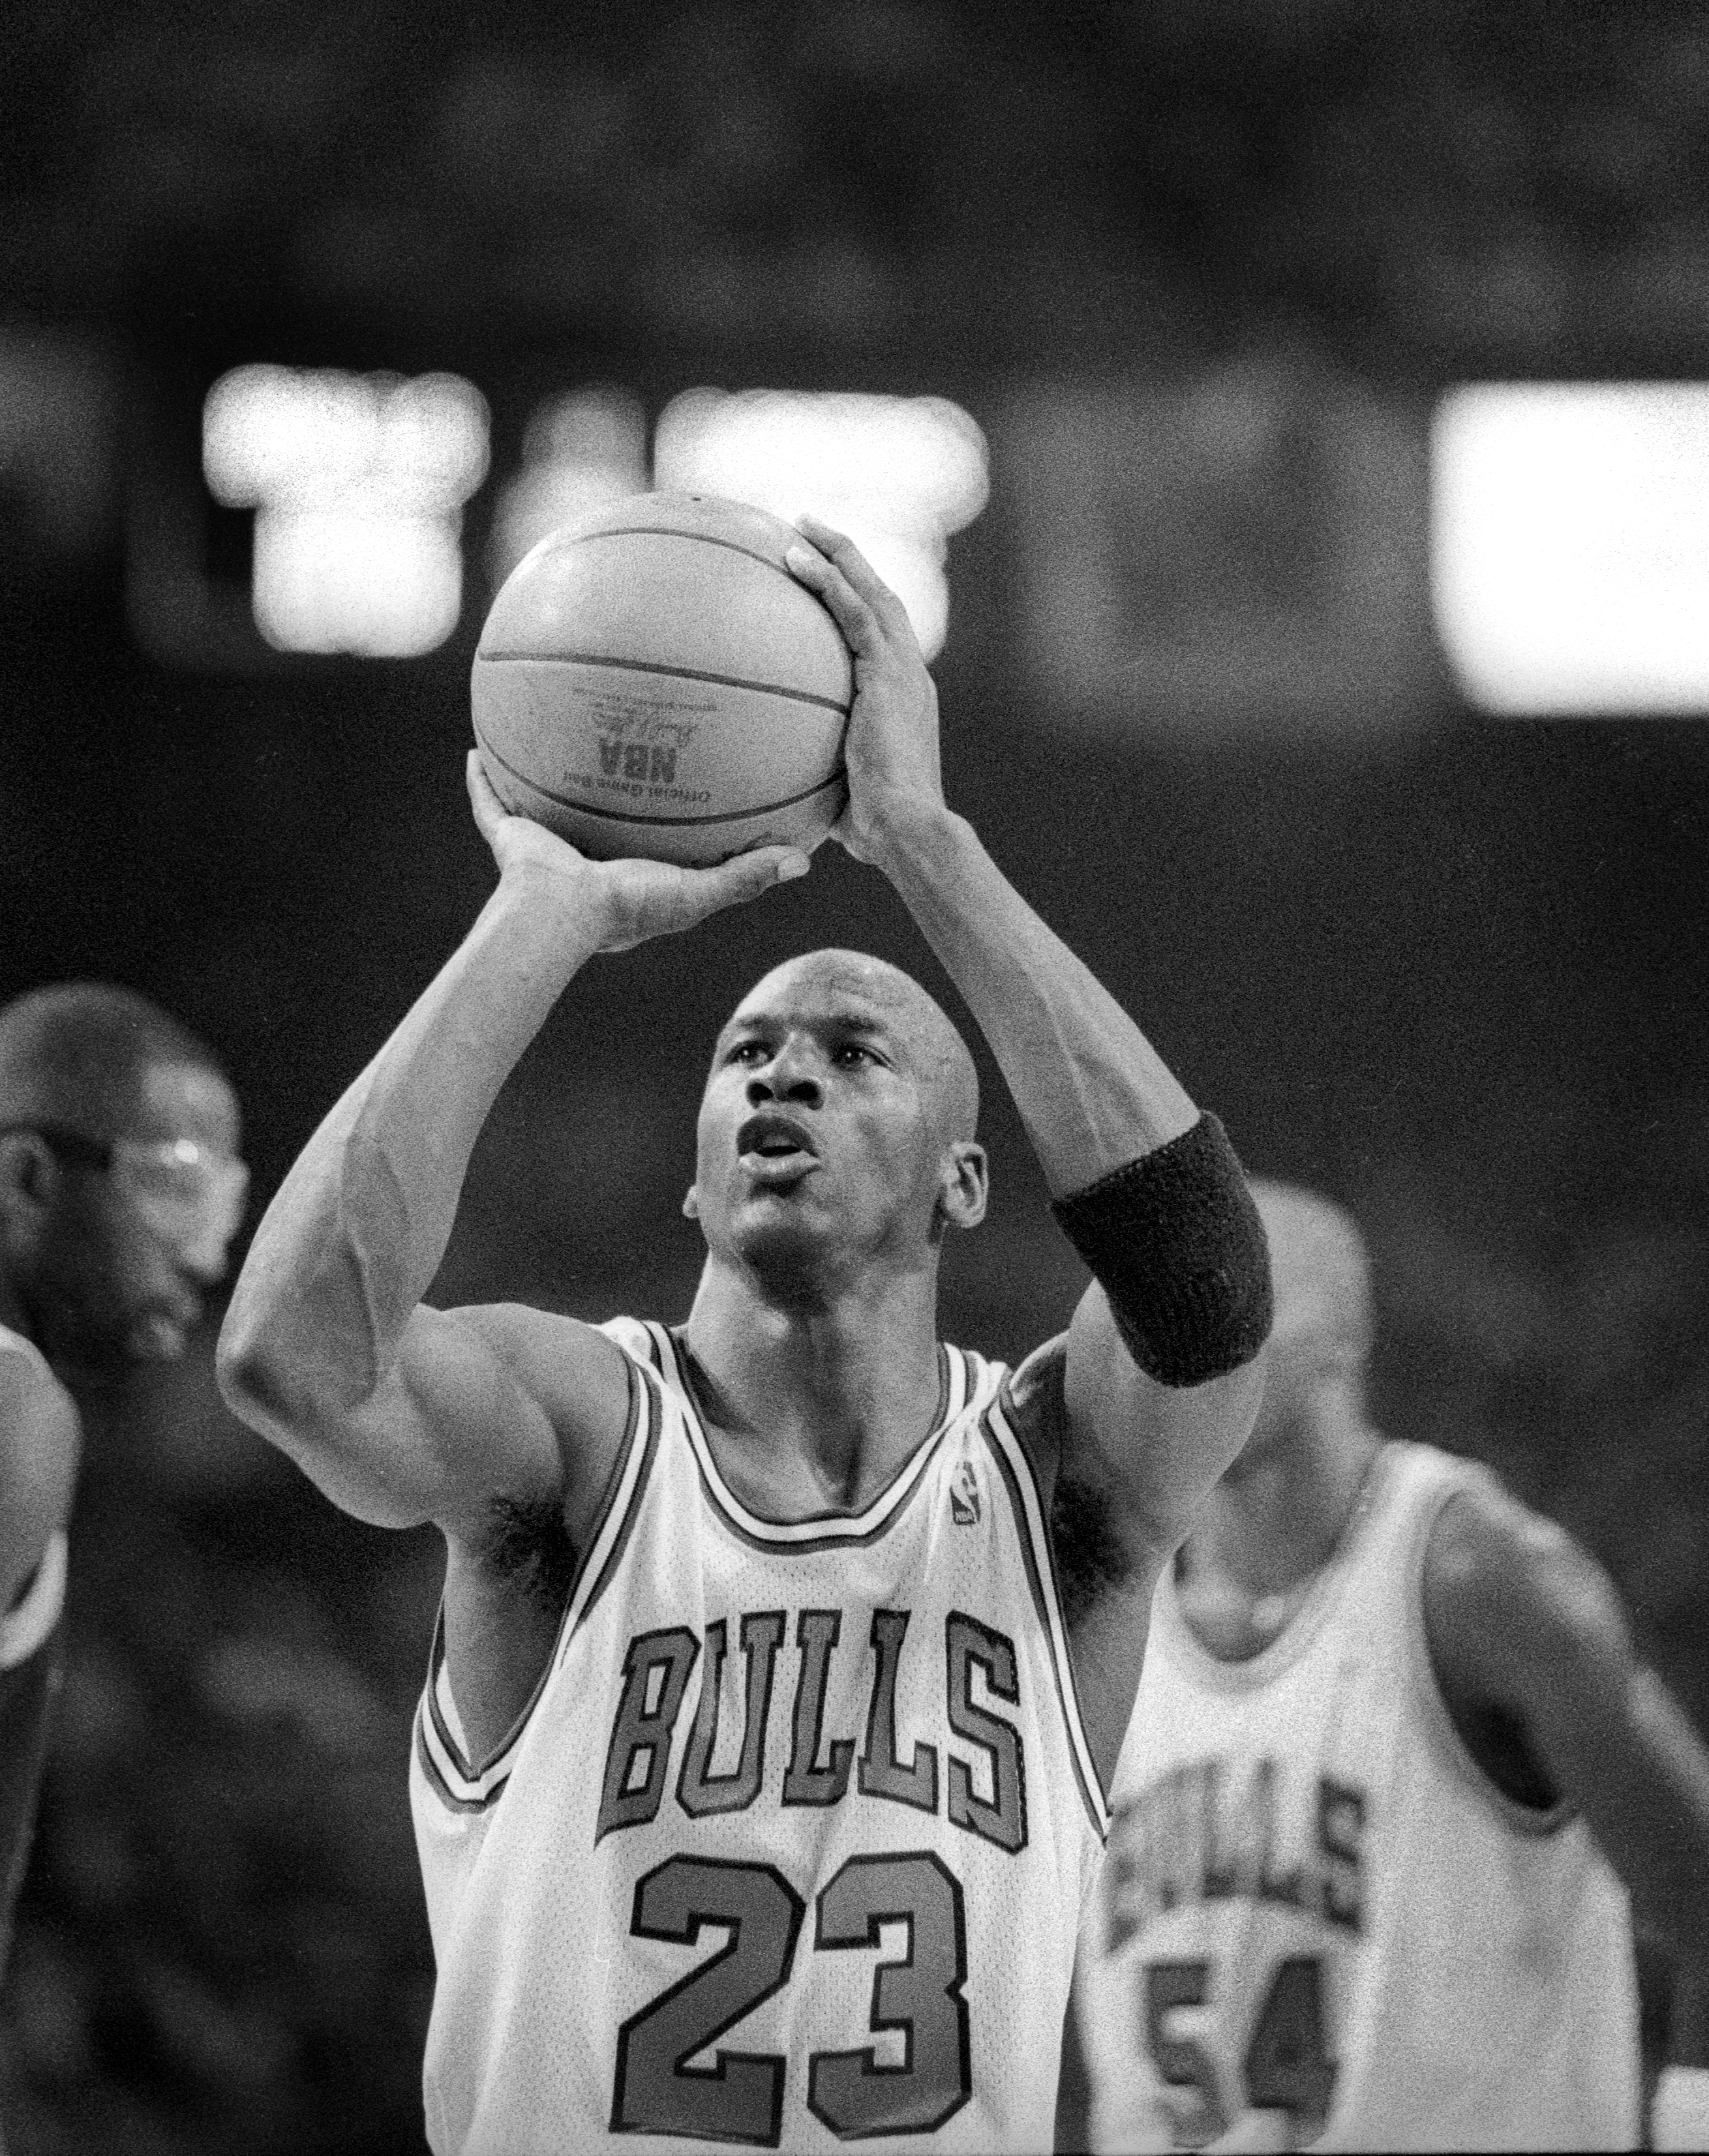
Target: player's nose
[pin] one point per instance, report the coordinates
(789, 1077)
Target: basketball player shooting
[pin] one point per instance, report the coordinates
(773, 1824)
(1394, 1788)
(121, 1189)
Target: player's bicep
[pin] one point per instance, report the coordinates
(475, 1407)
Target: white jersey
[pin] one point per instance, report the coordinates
(1319, 1922)
(791, 1846)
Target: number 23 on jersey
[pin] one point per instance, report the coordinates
(740, 2097)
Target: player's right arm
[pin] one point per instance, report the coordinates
(39, 1443)
(401, 1413)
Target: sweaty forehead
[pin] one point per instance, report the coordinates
(828, 986)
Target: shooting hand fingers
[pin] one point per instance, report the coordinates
(490, 812)
(857, 616)
(746, 876)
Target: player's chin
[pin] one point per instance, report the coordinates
(776, 1238)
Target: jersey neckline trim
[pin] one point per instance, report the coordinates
(1015, 1471)
(959, 1385)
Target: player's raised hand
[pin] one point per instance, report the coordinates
(892, 749)
(624, 902)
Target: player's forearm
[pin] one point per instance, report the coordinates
(1148, 1191)
(358, 1230)
(1093, 1093)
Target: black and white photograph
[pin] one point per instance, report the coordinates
(854, 1077)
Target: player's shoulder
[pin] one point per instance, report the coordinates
(547, 1347)
(21, 1361)
(573, 1374)
(38, 1416)
(40, 1441)
(1503, 1580)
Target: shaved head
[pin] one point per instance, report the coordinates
(75, 1054)
(940, 1055)
(1319, 1268)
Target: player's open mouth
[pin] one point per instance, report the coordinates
(774, 1143)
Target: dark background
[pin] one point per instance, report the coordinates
(1450, 969)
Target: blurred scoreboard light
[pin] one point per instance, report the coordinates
(897, 474)
(357, 483)
(580, 451)
(1237, 550)
(1570, 546)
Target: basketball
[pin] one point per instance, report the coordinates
(652, 680)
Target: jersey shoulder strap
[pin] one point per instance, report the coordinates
(465, 1784)
(1015, 1473)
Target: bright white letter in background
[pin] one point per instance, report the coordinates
(1570, 545)
(357, 483)
(897, 474)
(580, 451)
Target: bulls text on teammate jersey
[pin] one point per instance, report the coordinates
(1197, 1834)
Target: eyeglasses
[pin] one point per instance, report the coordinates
(192, 1195)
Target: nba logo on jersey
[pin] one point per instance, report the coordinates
(964, 1496)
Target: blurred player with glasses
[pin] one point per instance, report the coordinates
(121, 1189)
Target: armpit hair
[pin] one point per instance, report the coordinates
(1090, 1559)
(532, 1548)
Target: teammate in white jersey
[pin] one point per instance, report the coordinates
(753, 1801)
(1391, 1774)
(119, 1192)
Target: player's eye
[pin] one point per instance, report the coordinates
(747, 1051)
(851, 1051)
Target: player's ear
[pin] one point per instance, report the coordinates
(691, 1203)
(964, 1184)
(30, 1176)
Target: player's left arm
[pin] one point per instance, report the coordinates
(1531, 1649)
(1160, 1377)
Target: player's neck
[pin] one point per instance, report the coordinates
(807, 1410)
(1275, 1523)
